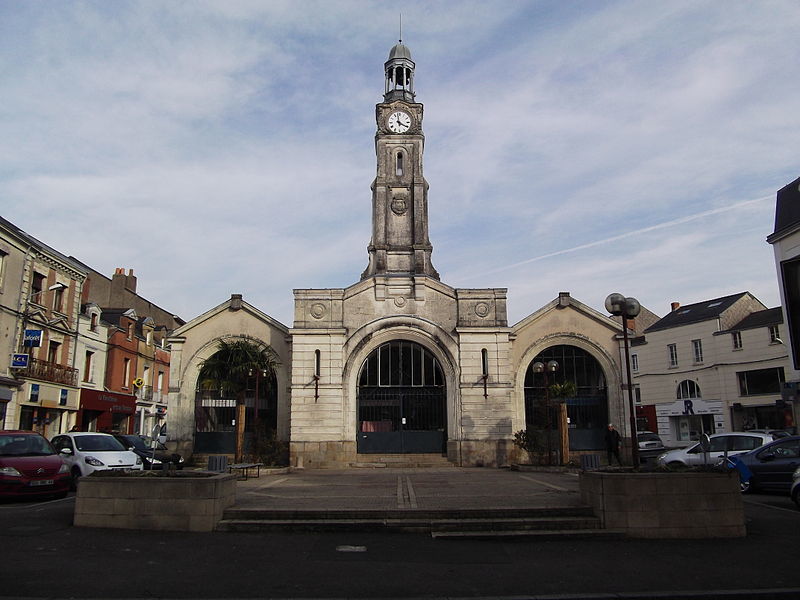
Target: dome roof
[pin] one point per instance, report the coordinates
(400, 51)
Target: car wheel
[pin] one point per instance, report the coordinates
(676, 465)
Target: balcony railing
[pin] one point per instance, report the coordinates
(48, 371)
(147, 394)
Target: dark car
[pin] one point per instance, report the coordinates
(773, 464)
(144, 449)
(30, 466)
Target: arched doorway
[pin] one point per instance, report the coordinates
(401, 401)
(242, 375)
(587, 410)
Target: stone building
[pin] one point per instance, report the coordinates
(400, 363)
(711, 367)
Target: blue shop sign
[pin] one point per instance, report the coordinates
(32, 338)
(19, 361)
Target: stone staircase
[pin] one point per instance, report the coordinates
(401, 461)
(539, 523)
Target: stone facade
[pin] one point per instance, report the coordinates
(399, 300)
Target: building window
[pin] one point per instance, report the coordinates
(688, 389)
(697, 347)
(126, 372)
(87, 366)
(37, 287)
(130, 331)
(635, 363)
(317, 364)
(160, 381)
(673, 355)
(761, 381)
(485, 362)
(737, 340)
(399, 164)
(774, 335)
(58, 299)
(2, 272)
(637, 393)
(52, 352)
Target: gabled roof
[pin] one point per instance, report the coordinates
(762, 318)
(696, 313)
(787, 210)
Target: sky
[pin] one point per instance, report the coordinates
(228, 147)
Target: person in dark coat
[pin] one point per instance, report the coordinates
(613, 443)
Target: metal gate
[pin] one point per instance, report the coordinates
(398, 421)
(401, 401)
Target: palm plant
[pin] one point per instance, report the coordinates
(229, 370)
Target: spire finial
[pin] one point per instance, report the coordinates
(401, 28)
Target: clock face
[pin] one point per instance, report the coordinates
(398, 122)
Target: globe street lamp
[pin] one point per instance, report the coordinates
(627, 308)
(544, 369)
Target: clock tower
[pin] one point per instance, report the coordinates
(400, 246)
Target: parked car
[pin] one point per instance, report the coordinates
(144, 448)
(795, 491)
(733, 443)
(30, 466)
(649, 441)
(773, 464)
(87, 452)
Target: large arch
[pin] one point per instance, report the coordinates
(411, 329)
(605, 363)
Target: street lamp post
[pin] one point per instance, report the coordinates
(627, 308)
(551, 367)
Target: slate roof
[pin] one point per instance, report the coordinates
(696, 313)
(787, 209)
(762, 318)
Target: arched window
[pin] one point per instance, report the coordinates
(688, 389)
(399, 164)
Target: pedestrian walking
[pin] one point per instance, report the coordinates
(613, 443)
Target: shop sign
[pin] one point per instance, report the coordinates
(19, 361)
(32, 338)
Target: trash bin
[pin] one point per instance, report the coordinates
(590, 461)
(218, 463)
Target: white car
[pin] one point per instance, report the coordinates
(87, 452)
(721, 443)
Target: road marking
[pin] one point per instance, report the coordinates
(346, 548)
(400, 500)
(789, 510)
(412, 496)
(544, 483)
(39, 506)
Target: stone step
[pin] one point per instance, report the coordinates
(437, 528)
(401, 461)
(538, 534)
(288, 514)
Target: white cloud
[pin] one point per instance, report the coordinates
(203, 144)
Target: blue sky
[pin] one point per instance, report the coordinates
(228, 147)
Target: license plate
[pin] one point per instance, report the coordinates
(42, 482)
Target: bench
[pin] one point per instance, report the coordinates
(245, 469)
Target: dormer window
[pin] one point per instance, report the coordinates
(93, 322)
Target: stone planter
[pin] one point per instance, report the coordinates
(185, 503)
(666, 505)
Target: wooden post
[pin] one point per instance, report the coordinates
(563, 429)
(240, 416)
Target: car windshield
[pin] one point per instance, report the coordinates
(133, 441)
(148, 442)
(25, 445)
(97, 443)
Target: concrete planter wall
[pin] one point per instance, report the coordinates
(163, 503)
(666, 505)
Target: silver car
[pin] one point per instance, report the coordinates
(731, 443)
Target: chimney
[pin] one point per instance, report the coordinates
(675, 306)
(563, 299)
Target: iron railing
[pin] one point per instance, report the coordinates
(49, 371)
